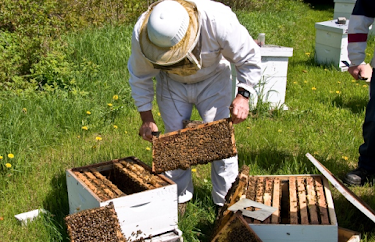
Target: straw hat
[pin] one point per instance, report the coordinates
(169, 31)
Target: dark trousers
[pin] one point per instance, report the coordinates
(367, 149)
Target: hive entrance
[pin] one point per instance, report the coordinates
(119, 178)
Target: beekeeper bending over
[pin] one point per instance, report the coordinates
(188, 47)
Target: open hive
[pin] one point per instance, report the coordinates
(195, 145)
(146, 203)
(304, 207)
(88, 225)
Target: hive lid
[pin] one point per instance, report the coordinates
(275, 50)
(346, 192)
(333, 26)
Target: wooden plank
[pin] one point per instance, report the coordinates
(202, 144)
(323, 207)
(267, 197)
(293, 201)
(91, 186)
(347, 193)
(100, 183)
(276, 199)
(311, 198)
(302, 200)
(251, 194)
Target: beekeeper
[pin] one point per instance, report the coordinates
(188, 47)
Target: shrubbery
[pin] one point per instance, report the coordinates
(32, 53)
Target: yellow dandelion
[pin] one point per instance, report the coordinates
(158, 114)
(326, 69)
(353, 80)
(10, 156)
(330, 91)
(109, 104)
(85, 128)
(248, 127)
(1, 157)
(338, 92)
(193, 170)
(313, 88)
(115, 126)
(24, 110)
(307, 53)
(8, 165)
(148, 148)
(115, 97)
(279, 131)
(305, 81)
(316, 153)
(78, 136)
(345, 157)
(88, 112)
(126, 132)
(365, 86)
(357, 84)
(98, 138)
(295, 82)
(338, 82)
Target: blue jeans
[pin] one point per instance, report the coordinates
(367, 149)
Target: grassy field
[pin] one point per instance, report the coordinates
(44, 133)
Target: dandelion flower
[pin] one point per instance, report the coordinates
(115, 97)
(1, 157)
(126, 132)
(307, 53)
(85, 128)
(248, 127)
(279, 131)
(338, 82)
(24, 110)
(10, 156)
(326, 69)
(98, 138)
(313, 88)
(305, 81)
(115, 126)
(193, 170)
(109, 104)
(158, 114)
(148, 148)
(88, 112)
(353, 80)
(8, 165)
(365, 85)
(345, 157)
(295, 82)
(338, 92)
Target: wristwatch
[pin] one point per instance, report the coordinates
(244, 93)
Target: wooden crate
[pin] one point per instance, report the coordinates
(305, 209)
(200, 144)
(145, 203)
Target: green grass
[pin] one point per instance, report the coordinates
(44, 130)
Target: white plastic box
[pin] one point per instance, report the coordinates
(331, 43)
(150, 213)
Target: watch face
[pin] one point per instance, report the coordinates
(245, 93)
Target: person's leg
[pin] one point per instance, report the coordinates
(174, 107)
(213, 104)
(366, 161)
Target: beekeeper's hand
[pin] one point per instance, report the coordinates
(148, 126)
(362, 72)
(239, 109)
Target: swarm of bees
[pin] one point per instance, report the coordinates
(94, 225)
(197, 144)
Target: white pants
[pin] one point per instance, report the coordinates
(212, 98)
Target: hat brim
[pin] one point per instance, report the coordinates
(171, 55)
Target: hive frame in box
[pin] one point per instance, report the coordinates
(143, 214)
(300, 232)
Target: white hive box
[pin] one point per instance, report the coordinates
(344, 8)
(331, 43)
(142, 213)
(272, 86)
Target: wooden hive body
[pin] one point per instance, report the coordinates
(305, 210)
(145, 203)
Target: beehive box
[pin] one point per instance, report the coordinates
(331, 43)
(305, 210)
(272, 87)
(145, 203)
(200, 144)
(344, 8)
